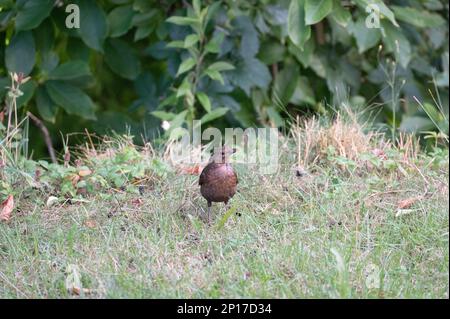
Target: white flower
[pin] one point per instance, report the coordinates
(165, 125)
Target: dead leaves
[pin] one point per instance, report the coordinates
(190, 170)
(408, 202)
(6, 208)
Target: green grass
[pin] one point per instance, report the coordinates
(334, 233)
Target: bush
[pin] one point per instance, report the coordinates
(237, 63)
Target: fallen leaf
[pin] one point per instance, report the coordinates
(191, 170)
(90, 223)
(85, 172)
(6, 208)
(408, 202)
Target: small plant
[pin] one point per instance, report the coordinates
(194, 68)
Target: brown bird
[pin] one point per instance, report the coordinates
(218, 181)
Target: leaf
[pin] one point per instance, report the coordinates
(275, 117)
(250, 73)
(221, 66)
(70, 70)
(420, 19)
(120, 20)
(20, 54)
(44, 36)
(411, 124)
(214, 75)
(366, 38)
(166, 116)
(121, 58)
(204, 101)
(298, 31)
(71, 99)
(46, 107)
(249, 45)
(32, 13)
(408, 202)
(271, 52)
(28, 92)
(225, 217)
(186, 65)
(6, 208)
(190, 41)
(213, 46)
(285, 84)
(397, 43)
(341, 15)
(184, 21)
(383, 9)
(214, 114)
(93, 24)
(316, 10)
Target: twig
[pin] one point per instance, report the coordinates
(320, 35)
(47, 139)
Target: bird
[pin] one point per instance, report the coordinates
(218, 180)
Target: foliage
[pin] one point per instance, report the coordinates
(246, 63)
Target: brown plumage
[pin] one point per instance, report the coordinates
(218, 181)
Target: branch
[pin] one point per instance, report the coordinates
(47, 138)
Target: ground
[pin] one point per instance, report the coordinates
(329, 233)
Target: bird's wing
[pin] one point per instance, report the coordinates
(235, 176)
(201, 180)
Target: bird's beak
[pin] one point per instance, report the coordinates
(234, 150)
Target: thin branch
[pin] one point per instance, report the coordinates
(48, 140)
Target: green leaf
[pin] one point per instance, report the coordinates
(366, 38)
(71, 99)
(250, 73)
(186, 65)
(397, 43)
(316, 10)
(204, 101)
(20, 54)
(70, 70)
(383, 9)
(32, 13)
(271, 52)
(213, 46)
(119, 20)
(214, 114)
(190, 40)
(285, 84)
(303, 92)
(275, 117)
(175, 44)
(47, 109)
(186, 21)
(121, 58)
(341, 15)
(298, 31)
(413, 124)
(28, 92)
(420, 19)
(44, 36)
(93, 24)
(214, 75)
(221, 66)
(165, 116)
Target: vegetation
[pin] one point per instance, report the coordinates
(362, 219)
(243, 62)
(358, 207)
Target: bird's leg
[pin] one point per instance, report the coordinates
(209, 212)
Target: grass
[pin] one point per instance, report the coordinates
(336, 231)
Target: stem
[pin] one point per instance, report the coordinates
(47, 139)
